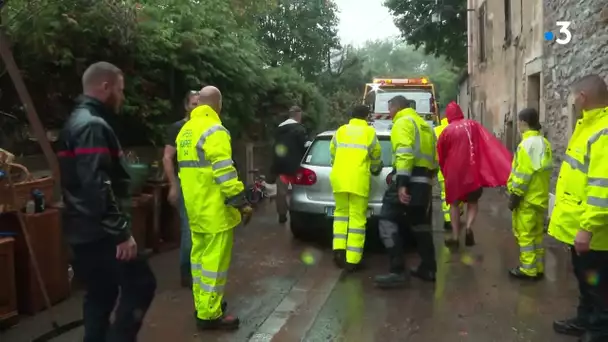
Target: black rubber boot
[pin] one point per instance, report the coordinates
(423, 274)
(469, 238)
(226, 322)
(351, 268)
(518, 274)
(282, 218)
(571, 327)
(397, 277)
(224, 307)
(340, 258)
(391, 280)
(447, 226)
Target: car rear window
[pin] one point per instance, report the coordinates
(318, 154)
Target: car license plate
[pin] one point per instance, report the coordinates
(330, 212)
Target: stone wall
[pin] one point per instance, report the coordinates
(513, 48)
(586, 53)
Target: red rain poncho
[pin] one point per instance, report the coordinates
(470, 157)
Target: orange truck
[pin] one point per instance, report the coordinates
(420, 91)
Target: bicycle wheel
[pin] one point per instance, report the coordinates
(253, 195)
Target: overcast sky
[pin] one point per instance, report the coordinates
(363, 20)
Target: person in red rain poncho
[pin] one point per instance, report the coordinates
(471, 159)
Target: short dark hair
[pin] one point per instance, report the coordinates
(400, 101)
(594, 85)
(100, 72)
(189, 95)
(294, 110)
(531, 117)
(361, 112)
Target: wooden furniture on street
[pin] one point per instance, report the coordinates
(165, 232)
(45, 236)
(142, 206)
(8, 292)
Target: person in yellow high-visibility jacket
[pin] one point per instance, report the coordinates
(580, 216)
(214, 198)
(410, 193)
(356, 155)
(445, 207)
(528, 186)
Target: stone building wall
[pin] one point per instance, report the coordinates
(499, 83)
(586, 53)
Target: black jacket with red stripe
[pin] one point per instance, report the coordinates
(94, 176)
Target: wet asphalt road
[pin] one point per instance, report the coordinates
(281, 299)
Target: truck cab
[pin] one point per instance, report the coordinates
(420, 91)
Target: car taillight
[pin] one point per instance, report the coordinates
(389, 179)
(305, 176)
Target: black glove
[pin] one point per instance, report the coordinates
(377, 171)
(514, 201)
(239, 201)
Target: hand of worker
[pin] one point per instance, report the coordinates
(514, 201)
(172, 195)
(246, 214)
(582, 241)
(127, 250)
(404, 197)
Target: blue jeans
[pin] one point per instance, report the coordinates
(186, 238)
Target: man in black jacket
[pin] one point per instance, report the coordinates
(95, 185)
(290, 144)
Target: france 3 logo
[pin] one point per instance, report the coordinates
(564, 37)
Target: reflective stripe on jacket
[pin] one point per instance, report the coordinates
(438, 130)
(531, 169)
(582, 186)
(207, 174)
(355, 152)
(414, 148)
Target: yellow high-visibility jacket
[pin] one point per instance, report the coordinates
(355, 153)
(438, 130)
(414, 146)
(207, 174)
(531, 170)
(582, 186)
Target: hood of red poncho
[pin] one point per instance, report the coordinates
(453, 112)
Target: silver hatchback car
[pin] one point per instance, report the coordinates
(312, 201)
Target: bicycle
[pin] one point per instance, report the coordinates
(259, 189)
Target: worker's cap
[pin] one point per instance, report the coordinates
(530, 116)
(361, 111)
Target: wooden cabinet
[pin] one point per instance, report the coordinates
(46, 238)
(142, 207)
(8, 293)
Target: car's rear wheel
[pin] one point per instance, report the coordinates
(308, 228)
(299, 232)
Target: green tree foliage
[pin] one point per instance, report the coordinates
(264, 55)
(437, 26)
(300, 33)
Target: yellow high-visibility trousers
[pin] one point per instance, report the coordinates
(350, 218)
(445, 207)
(210, 259)
(528, 222)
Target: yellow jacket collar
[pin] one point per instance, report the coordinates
(403, 113)
(594, 113)
(357, 122)
(205, 111)
(530, 133)
(444, 122)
